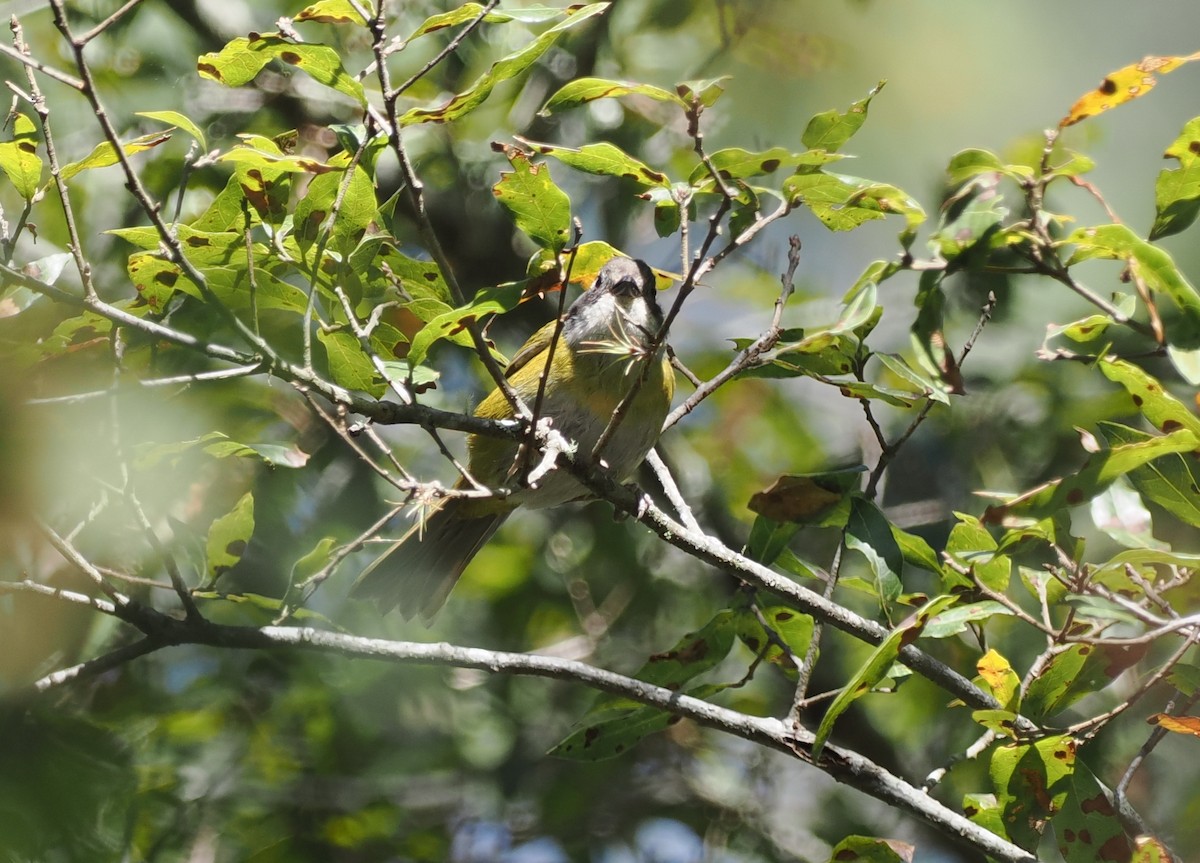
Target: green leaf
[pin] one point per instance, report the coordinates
(1074, 672)
(228, 537)
(926, 385)
(865, 849)
(971, 163)
(1177, 190)
(843, 203)
(768, 538)
(787, 625)
(105, 154)
(869, 533)
(349, 366)
(706, 92)
(19, 159)
(603, 159)
(734, 163)
(540, 208)
(1096, 474)
(829, 130)
(584, 90)
(973, 548)
(358, 209)
(1032, 782)
(960, 618)
(616, 724)
(181, 121)
(1171, 481)
(470, 11)
(217, 445)
(1146, 261)
(502, 70)
(314, 560)
(240, 61)
(333, 12)
(449, 325)
(1087, 827)
(875, 669)
(1165, 412)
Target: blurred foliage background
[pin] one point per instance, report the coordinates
(198, 755)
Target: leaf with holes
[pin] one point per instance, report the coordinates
(540, 208)
(228, 537)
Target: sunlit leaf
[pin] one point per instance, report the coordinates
(19, 159)
(1096, 474)
(240, 61)
(105, 154)
(1123, 85)
(540, 208)
(333, 12)
(177, 120)
(831, 129)
(603, 158)
(502, 70)
(584, 90)
(1171, 481)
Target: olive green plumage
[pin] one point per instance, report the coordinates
(603, 347)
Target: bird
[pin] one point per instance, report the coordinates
(609, 337)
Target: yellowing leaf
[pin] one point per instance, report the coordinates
(1178, 724)
(1123, 86)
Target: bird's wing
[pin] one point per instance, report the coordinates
(537, 344)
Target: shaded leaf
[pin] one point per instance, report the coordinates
(815, 498)
(1096, 474)
(348, 364)
(869, 533)
(228, 537)
(1031, 783)
(877, 665)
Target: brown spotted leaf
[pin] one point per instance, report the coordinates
(1079, 670)
(1098, 473)
(1123, 85)
(1031, 783)
(240, 61)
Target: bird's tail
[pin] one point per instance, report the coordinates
(418, 572)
